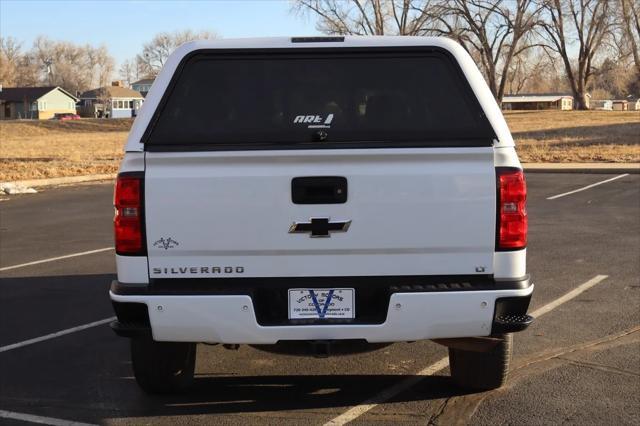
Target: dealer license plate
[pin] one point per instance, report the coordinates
(321, 303)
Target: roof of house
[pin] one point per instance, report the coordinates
(538, 97)
(534, 98)
(144, 81)
(112, 92)
(19, 94)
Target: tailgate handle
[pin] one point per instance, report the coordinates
(319, 190)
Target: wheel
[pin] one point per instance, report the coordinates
(482, 370)
(163, 367)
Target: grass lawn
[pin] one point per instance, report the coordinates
(47, 148)
(43, 149)
(576, 136)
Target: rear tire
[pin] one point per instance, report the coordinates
(482, 370)
(163, 367)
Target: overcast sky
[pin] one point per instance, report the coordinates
(124, 25)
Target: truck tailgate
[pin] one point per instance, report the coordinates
(419, 211)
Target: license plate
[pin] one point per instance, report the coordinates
(321, 303)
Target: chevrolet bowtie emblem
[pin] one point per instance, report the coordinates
(319, 227)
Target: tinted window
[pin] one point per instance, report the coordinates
(280, 100)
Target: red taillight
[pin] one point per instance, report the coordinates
(512, 221)
(128, 225)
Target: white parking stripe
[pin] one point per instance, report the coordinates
(441, 364)
(572, 294)
(39, 419)
(53, 259)
(586, 187)
(387, 394)
(56, 334)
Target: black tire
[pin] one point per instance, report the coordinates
(163, 367)
(482, 370)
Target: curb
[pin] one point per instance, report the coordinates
(37, 183)
(600, 168)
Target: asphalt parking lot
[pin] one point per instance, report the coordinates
(579, 363)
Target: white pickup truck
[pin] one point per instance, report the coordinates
(340, 191)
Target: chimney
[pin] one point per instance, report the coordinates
(117, 83)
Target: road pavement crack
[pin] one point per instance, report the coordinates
(460, 409)
(597, 366)
(598, 344)
(433, 420)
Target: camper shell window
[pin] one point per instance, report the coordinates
(318, 98)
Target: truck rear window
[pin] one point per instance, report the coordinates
(302, 99)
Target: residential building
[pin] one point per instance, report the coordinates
(39, 103)
(537, 101)
(620, 105)
(113, 101)
(601, 105)
(143, 86)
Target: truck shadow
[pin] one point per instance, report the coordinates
(87, 375)
(257, 394)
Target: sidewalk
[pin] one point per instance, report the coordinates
(612, 168)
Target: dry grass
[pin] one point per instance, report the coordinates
(42, 149)
(576, 136)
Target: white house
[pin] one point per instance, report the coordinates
(537, 102)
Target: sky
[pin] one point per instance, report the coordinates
(124, 25)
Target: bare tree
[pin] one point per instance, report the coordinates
(614, 77)
(630, 26)
(370, 17)
(75, 68)
(529, 71)
(588, 21)
(29, 74)
(156, 52)
(10, 54)
(493, 31)
(101, 66)
(127, 72)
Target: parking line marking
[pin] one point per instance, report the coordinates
(39, 419)
(586, 187)
(572, 294)
(53, 259)
(443, 363)
(56, 334)
(387, 394)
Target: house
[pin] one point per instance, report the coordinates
(535, 102)
(561, 101)
(39, 103)
(143, 86)
(113, 101)
(634, 103)
(601, 105)
(620, 105)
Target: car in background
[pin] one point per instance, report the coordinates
(66, 116)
